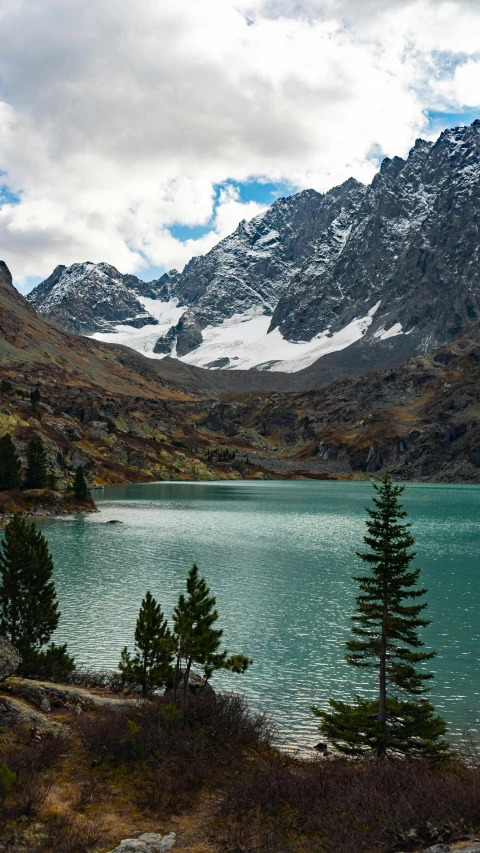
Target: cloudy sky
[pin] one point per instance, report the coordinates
(140, 133)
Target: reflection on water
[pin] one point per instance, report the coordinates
(280, 557)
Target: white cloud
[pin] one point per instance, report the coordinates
(158, 244)
(463, 89)
(117, 120)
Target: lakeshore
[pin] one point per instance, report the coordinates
(42, 503)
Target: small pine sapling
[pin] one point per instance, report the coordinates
(197, 641)
(80, 487)
(151, 664)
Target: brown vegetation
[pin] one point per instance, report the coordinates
(211, 774)
(128, 418)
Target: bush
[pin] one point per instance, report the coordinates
(173, 753)
(345, 806)
(25, 784)
(85, 677)
(35, 756)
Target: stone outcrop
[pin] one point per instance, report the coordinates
(148, 842)
(48, 694)
(10, 659)
(14, 712)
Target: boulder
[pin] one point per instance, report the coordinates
(149, 842)
(14, 712)
(10, 659)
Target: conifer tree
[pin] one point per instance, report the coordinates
(28, 603)
(151, 664)
(197, 641)
(9, 464)
(80, 488)
(36, 473)
(386, 643)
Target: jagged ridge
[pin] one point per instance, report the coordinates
(390, 266)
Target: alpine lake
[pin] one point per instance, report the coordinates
(279, 557)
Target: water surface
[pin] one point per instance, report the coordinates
(279, 556)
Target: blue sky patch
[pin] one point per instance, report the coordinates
(7, 196)
(258, 191)
(264, 192)
(438, 120)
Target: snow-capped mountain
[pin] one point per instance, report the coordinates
(413, 245)
(87, 298)
(394, 264)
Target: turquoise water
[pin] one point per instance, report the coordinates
(280, 557)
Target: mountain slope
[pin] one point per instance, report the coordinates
(357, 272)
(415, 248)
(28, 341)
(126, 418)
(250, 270)
(104, 407)
(419, 421)
(245, 274)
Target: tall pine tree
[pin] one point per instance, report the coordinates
(386, 643)
(9, 464)
(197, 641)
(151, 665)
(28, 603)
(36, 473)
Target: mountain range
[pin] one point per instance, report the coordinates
(376, 273)
(125, 417)
(336, 335)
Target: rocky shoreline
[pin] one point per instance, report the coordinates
(40, 503)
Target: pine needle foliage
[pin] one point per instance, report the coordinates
(386, 642)
(197, 640)
(36, 473)
(80, 487)
(151, 664)
(9, 464)
(28, 603)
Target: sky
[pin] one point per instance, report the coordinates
(140, 134)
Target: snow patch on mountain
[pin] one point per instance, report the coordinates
(244, 343)
(143, 340)
(383, 334)
(167, 313)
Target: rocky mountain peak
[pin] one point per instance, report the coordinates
(89, 298)
(394, 265)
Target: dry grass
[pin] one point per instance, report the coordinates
(212, 776)
(340, 806)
